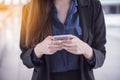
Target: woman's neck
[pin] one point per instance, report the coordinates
(61, 2)
(62, 7)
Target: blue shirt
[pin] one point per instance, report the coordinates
(62, 60)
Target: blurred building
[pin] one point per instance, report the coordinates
(111, 6)
(112, 16)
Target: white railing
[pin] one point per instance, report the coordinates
(113, 24)
(110, 2)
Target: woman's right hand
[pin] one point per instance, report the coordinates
(48, 46)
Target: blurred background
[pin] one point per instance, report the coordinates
(11, 67)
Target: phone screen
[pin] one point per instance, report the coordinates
(61, 37)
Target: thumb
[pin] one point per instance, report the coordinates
(50, 37)
(71, 36)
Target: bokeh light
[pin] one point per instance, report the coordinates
(13, 2)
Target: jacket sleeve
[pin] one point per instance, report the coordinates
(28, 55)
(99, 37)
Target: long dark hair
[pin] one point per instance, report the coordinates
(38, 21)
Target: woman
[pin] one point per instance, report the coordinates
(71, 59)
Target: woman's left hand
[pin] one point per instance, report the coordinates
(78, 47)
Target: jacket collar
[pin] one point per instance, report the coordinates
(83, 3)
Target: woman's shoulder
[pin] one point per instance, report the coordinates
(88, 2)
(95, 1)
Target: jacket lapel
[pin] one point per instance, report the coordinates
(47, 59)
(85, 18)
(85, 13)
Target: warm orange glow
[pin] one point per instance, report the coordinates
(14, 2)
(3, 7)
(1, 1)
(8, 12)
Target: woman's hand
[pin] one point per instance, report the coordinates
(77, 46)
(48, 46)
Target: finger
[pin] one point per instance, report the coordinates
(50, 37)
(56, 49)
(71, 50)
(72, 36)
(55, 46)
(67, 41)
(69, 45)
(57, 42)
(52, 51)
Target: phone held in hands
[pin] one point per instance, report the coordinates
(61, 37)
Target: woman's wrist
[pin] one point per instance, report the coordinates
(37, 51)
(88, 52)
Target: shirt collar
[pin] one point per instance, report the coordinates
(75, 2)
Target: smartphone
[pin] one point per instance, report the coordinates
(61, 37)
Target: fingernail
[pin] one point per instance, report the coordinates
(60, 41)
